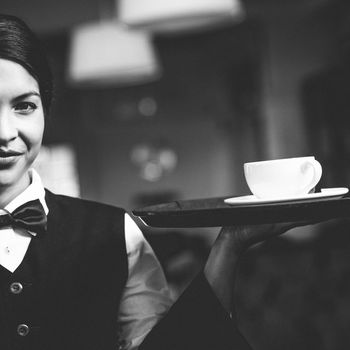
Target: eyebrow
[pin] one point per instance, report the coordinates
(26, 95)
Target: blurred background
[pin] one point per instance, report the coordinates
(157, 102)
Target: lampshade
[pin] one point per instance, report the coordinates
(160, 15)
(106, 52)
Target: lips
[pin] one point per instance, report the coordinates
(9, 153)
(8, 157)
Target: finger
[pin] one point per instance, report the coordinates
(295, 224)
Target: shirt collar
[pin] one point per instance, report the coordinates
(34, 191)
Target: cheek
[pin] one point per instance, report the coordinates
(32, 135)
(37, 137)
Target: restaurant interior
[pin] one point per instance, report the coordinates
(211, 88)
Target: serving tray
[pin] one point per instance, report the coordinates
(214, 212)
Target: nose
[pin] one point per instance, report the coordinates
(8, 129)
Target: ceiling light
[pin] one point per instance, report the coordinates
(107, 53)
(160, 15)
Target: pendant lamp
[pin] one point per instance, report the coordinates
(107, 53)
(179, 15)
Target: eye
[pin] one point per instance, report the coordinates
(25, 107)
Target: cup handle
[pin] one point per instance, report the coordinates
(317, 169)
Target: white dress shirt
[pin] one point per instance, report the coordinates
(146, 297)
(14, 242)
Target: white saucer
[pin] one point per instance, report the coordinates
(336, 192)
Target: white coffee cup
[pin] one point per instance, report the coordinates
(282, 177)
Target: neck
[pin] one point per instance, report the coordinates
(8, 193)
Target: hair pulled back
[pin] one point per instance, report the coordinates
(19, 44)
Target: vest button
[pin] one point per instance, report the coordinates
(16, 288)
(23, 330)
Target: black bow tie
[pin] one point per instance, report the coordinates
(30, 216)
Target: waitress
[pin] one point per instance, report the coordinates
(76, 274)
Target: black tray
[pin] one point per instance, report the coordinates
(214, 212)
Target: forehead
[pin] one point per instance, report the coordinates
(15, 80)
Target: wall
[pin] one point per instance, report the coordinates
(206, 110)
(46, 16)
(297, 46)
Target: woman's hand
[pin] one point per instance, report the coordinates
(231, 243)
(240, 238)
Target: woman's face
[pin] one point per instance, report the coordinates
(21, 125)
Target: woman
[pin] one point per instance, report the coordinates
(76, 274)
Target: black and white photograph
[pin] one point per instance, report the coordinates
(175, 175)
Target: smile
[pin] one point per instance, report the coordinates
(9, 153)
(8, 158)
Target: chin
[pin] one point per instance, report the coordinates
(13, 177)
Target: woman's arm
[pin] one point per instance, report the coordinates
(199, 320)
(231, 243)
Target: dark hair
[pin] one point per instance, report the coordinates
(19, 44)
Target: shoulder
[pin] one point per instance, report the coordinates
(80, 206)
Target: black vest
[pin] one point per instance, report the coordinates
(65, 294)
